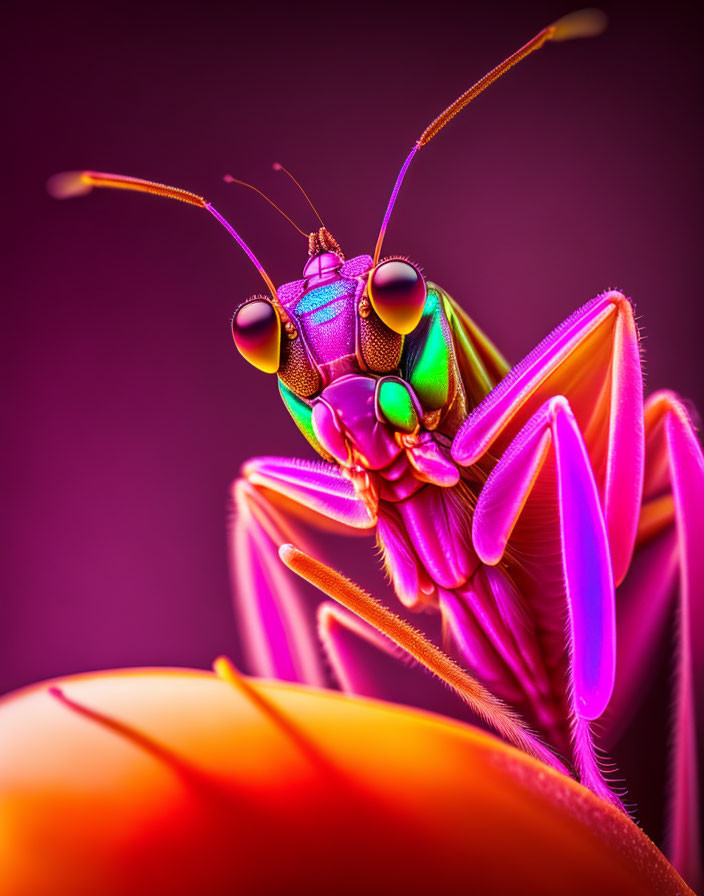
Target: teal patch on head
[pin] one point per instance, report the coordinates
(302, 414)
(328, 313)
(323, 304)
(316, 298)
(427, 360)
(396, 406)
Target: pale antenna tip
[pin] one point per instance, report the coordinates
(68, 184)
(582, 23)
(277, 166)
(286, 552)
(228, 178)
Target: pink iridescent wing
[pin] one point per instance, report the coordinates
(275, 501)
(570, 501)
(559, 509)
(481, 364)
(542, 498)
(667, 571)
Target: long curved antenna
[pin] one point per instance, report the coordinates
(277, 166)
(584, 23)
(78, 183)
(229, 179)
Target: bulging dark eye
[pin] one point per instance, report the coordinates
(256, 329)
(397, 292)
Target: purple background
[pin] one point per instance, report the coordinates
(128, 411)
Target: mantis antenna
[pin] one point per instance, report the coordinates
(229, 179)
(277, 166)
(78, 183)
(584, 23)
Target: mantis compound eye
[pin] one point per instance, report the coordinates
(256, 329)
(397, 292)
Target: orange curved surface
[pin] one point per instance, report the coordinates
(177, 781)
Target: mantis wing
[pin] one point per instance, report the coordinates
(271, 499)
(668, 570)
(481, 364)
(542, 502)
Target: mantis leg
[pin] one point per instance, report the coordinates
(667, 571)
(593, 359)
(274, 500)
(342, 634)
(542, 495)
(366, 663)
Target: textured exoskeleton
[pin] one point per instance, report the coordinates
(546, 513)
(510, 501)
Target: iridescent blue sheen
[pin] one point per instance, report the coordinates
(326, 318)
(324, 295)
(328, 313)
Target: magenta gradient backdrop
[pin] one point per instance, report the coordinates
(127, 410)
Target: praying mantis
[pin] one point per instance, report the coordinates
(549, 514)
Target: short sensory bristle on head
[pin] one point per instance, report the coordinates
(277, 166)
(322, 241)
(229, 179)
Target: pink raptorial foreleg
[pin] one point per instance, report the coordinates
(272, 499)
(668, 570)
(544, 478)
(593, 359)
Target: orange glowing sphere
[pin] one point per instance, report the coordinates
(185, 782)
